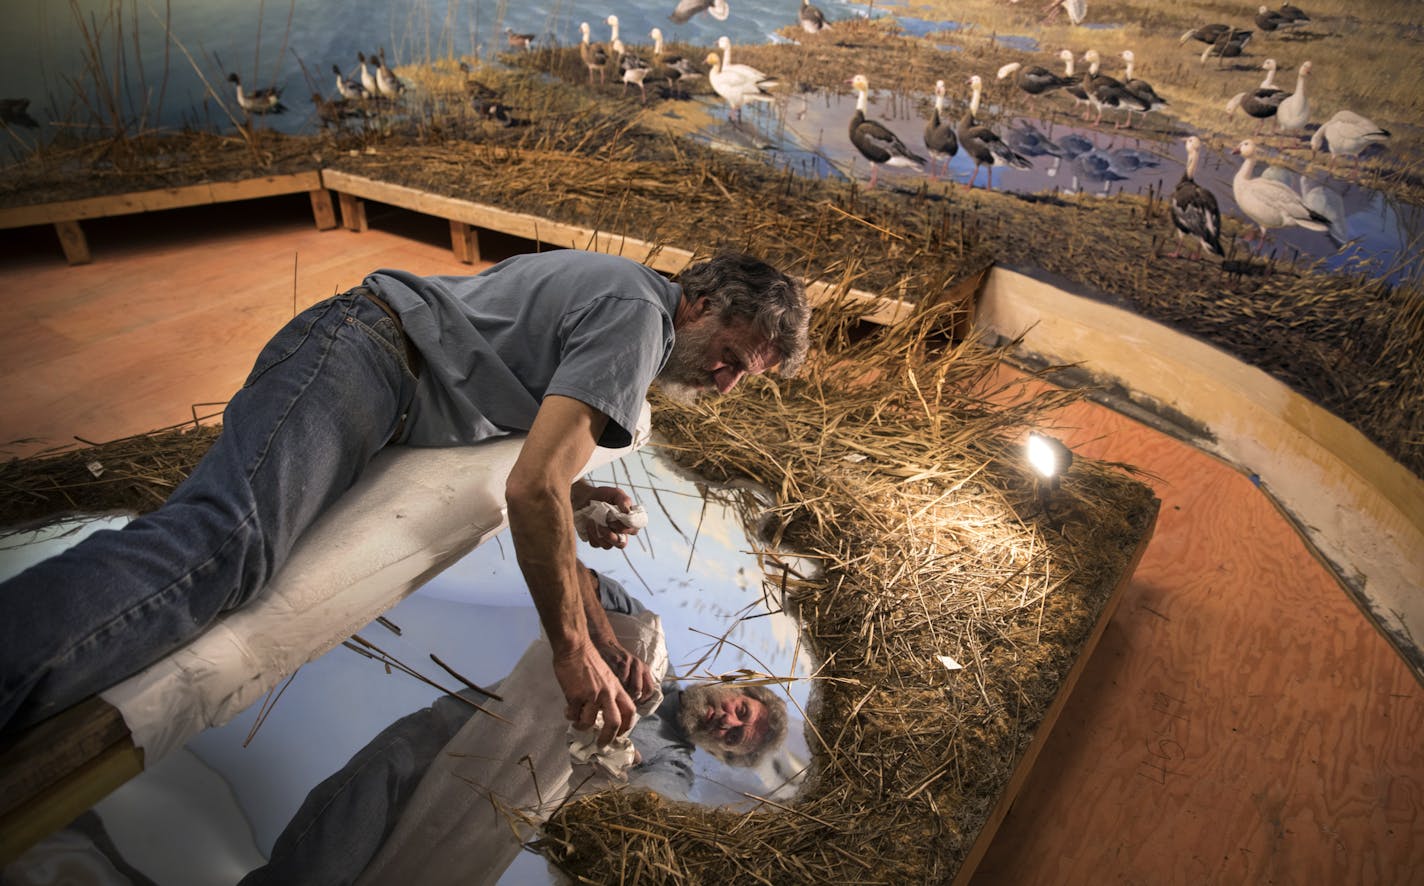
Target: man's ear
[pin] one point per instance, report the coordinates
(700, 307)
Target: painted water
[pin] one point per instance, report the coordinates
(235, 787)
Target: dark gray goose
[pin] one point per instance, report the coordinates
(940, 138)
(1194, 209)
(982, 143)
(1261, 102)
(1140, 88)
(1033, 80)
(1108, 92)
(876, 143)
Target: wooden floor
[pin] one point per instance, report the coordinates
(1240, 722)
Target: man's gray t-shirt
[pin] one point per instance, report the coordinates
(593, 327)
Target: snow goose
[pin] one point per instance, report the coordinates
(1104, 91)
(1294, 14)
(876, 143)
(1261, 102)
(260, 101)
(1270, 21)
(1269, 203)
(1194, 209)
(940, 139)
(1294, 110)
(1077, 10)
(1207, 34)
(633, 70)
(738, 84)
(1075, 83)
(686, 9)
(368, 79)
(350, 89)
(594, 56)
(982, 143)
(674, 67)
(1347, 134)
(812, 20)
(1033, 80)
(1140, 88)
(387, 83)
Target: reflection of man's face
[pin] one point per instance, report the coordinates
(716, 716)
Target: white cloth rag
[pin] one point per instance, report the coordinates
(606, 514)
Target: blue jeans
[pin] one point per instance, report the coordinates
(327, 392)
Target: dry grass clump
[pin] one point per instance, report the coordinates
(899, 467)
(132, 475)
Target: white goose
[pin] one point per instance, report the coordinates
(351, 90)
(686, 9)
(368, 80)
(594, 56)
(1294, 110)
(387, 83)
(738, 84)
(1347, 134)
(1269, 203)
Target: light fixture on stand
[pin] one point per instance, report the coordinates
(1050, 459)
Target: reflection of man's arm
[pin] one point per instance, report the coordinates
(627, 667)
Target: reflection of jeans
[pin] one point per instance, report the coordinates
(325, 394)
(346, 819)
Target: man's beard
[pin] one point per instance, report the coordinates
(692, 713)
(683, 378)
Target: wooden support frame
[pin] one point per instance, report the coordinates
(465, 240)
(65, 215)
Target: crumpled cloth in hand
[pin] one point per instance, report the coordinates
(608, 515)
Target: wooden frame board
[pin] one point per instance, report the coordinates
(66, 215)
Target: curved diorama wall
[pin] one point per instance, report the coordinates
(1361, 509)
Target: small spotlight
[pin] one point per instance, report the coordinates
(1048, 456)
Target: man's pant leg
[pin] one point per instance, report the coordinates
(325, 395)
(346, 819)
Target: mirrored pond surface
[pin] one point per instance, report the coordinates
(233, 789)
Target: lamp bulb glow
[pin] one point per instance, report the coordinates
(1049, 457)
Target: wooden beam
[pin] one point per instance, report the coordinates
(659, 256)
(80, 789)
(164, 198)
(73, 242)
(353, 212)
(1041, 732)
(465, 240)
(323, 210)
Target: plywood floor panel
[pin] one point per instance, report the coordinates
(1240, 722)
(169, 319)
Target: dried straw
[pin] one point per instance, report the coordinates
(898, 465)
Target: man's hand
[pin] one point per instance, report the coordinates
(600, 536)
(630, 670)
(590, 688)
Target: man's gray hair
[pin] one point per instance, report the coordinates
(743, 286)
